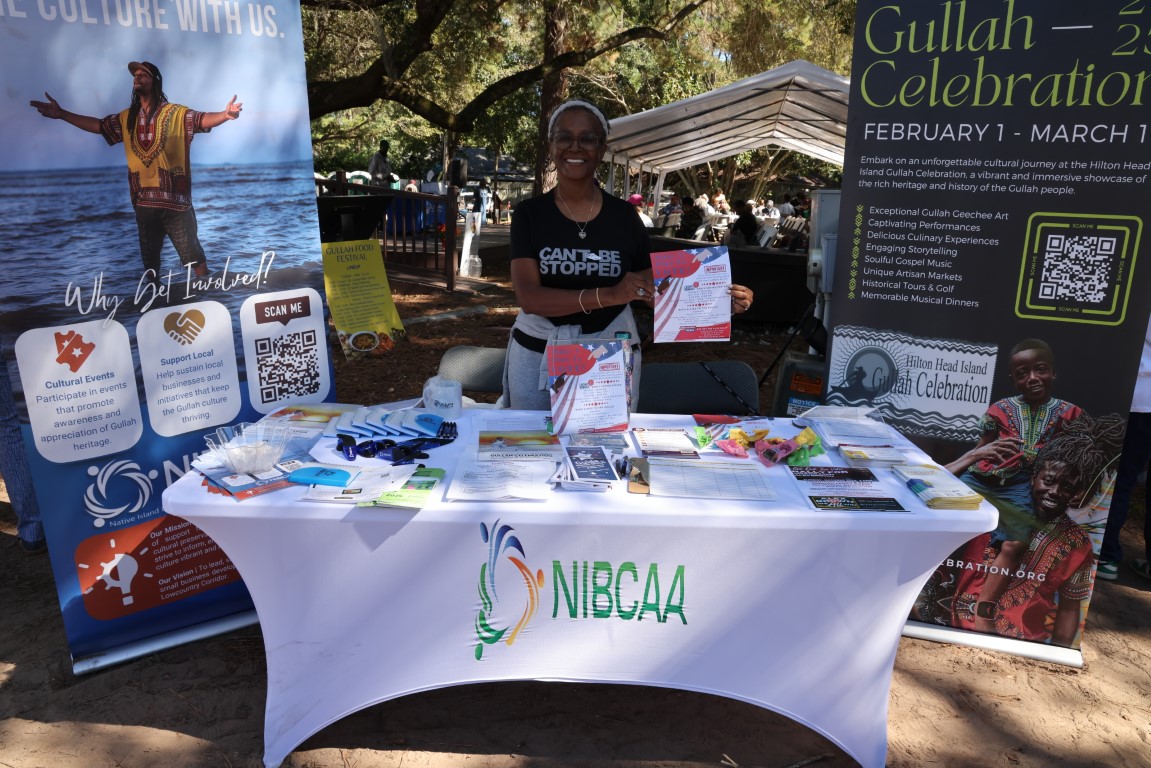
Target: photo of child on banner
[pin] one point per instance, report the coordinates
(1031, 578)
(1001, 465)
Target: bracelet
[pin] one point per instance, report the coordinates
(580, 300)
(597, 301)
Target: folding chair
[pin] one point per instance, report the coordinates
(477, 369)
(717, 386)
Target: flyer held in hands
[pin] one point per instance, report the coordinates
(692, 300)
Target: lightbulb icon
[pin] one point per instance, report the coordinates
(126, 567)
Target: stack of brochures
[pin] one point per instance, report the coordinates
(587, 468)
(666, 442)
(871, 455)
(844, 424)
(936, 487)
(519, 445)
(377, 421)
(413, 494)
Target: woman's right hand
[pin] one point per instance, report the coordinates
(635, 286)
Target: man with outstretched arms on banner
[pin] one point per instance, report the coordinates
(157, 138)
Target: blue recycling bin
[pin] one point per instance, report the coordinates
(406, 217)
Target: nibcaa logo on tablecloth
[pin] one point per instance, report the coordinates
(595, 590)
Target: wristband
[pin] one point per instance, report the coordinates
(597, 301)
(580, 300)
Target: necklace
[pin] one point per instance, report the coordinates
(581, 227)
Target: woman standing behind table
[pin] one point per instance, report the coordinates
(579, 256)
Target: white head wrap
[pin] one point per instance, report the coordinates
(582, 105)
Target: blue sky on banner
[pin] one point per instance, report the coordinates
(207, 50)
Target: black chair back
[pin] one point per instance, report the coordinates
(717, 386)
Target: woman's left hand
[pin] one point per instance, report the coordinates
(741, 298)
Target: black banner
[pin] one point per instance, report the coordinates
(989, 295)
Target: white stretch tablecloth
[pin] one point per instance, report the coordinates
(772, 603)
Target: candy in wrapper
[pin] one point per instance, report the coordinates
(745, 439)
(732, 448)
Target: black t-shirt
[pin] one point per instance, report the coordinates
(748, 225)
(617, 242)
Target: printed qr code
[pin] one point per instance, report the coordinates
(1077, 268)
(288, 366)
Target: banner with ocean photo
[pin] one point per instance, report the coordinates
(126, 343)
(991, 297)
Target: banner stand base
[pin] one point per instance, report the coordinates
(130, 651)
(1068, 657)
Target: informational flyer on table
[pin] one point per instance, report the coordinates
(989, 284)
(588, 384)
(692, 301)
(163, 279)
(844, 489)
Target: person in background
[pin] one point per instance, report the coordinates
(743, 231)
(770, 212)
(481, 200)
(379, 168)
(719, 202)
(17, 476)
(704, 206)
(497, 207)
(691, 221)
(674, 205)
(637, 202)
(1132, 463)
(157, 137)
(786, 210)
(411, 186)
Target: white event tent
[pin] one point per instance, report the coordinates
(796, 106)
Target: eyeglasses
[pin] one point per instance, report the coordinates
(584, 141)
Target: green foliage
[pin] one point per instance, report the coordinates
(449, 62)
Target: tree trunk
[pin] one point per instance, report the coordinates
(553, 88)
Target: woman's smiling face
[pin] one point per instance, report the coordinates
(575, 129)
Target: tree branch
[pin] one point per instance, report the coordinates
(384, 78)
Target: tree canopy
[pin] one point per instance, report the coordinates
(431, 74)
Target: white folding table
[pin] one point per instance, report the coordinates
(773, 603)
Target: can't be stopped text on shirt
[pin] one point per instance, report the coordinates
(579, 261)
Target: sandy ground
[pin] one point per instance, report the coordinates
(201, 706)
